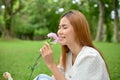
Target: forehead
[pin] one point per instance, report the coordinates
(64, 20)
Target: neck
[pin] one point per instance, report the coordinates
(75, 48)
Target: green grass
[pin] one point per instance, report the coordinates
(16, 56)
(111, 53)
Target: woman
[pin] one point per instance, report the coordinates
(80, 60)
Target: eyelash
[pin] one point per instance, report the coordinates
(64, 27)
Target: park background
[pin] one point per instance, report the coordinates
(24, 25)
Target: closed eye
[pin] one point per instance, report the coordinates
(64, 26)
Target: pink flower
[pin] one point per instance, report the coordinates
(54, 38)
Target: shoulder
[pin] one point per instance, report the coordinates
(89, 50)
(89, 62)
(89, 54)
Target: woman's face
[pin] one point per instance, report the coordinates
(65, 32)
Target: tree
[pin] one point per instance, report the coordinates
(9, 13)
(116, 35)
(108, 21)
(92, 16)
(99, 36)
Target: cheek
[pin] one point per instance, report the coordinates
(70, 36)
(71, 33)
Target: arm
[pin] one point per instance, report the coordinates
(56, 72)
(47, 56)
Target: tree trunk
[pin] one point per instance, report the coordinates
(8, 26)
(108, 32)
(99, 36)
(116, 35)
(8, 17)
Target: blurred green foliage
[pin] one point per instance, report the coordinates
(41, 14)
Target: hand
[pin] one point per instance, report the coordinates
(47, 54)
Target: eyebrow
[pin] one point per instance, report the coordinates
(63, 25)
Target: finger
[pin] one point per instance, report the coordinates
(47, 45)
(40, 52)
(43, 48)
(49, 48)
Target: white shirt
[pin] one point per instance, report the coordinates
(88, 65)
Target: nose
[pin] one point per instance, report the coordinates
(59, 32)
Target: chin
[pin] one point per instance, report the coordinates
(62, 43)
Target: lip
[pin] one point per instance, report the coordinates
(61, 38)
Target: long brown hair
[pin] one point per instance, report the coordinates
(82, 32)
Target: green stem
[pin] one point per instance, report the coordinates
(33, 67)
